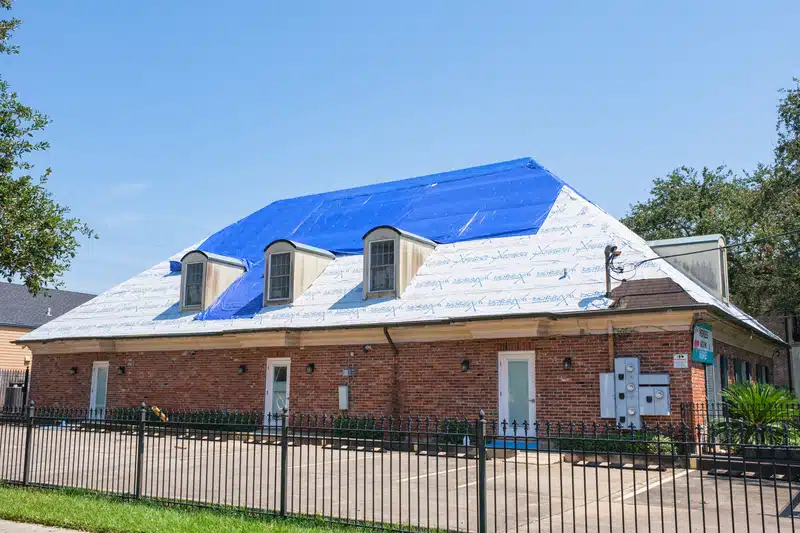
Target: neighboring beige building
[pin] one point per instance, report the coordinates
(20, 312)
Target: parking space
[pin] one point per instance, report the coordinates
(528, 490)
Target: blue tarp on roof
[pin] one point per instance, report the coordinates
(502, 199)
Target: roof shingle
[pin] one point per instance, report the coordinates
(19, 308)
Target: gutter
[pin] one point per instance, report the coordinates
(551, 316)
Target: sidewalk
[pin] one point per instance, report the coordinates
(14, 527)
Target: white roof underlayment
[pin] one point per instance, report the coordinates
(560, 269)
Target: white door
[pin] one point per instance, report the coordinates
(517, 391)
(277, 390)
(97, 397)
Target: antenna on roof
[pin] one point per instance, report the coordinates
(611, 253)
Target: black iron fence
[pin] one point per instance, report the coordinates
(408, 474)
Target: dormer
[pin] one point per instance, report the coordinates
(290, 268)
(391, 260)
(204, 276)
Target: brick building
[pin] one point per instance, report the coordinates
(484, 288)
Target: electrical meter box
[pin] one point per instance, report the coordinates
(626, 395)
(654, 394)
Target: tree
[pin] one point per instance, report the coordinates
(38, 237)
(764, 275)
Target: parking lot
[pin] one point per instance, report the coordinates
(528, 490)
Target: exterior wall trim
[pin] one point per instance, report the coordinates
(468, 330)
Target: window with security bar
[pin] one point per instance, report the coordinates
(279, 276)
(381, 266)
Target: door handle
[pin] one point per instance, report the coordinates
(533, 400)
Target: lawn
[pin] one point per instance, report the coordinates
(88, 512)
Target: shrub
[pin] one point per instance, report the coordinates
(758, 413)
(621, 442)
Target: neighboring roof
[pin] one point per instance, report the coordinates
(514, 240)
(19, 308)
(686, 240)
(650, 293)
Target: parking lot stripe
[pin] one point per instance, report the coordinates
(438, 473)
(651, 486)
(498, 476)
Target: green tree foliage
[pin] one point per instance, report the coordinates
(38, 237)
(764, 276)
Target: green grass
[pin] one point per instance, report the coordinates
(101, 514)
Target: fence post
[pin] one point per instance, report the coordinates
(139, 481)
(284, 460)
(480, 434)
(26, 468)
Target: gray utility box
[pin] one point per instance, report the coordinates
(626, 395)
(654, 394)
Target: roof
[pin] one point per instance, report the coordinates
(20, 308)
(650, 293)
(715, 238)
(217, 258)
(513, 240)
(303, 248)
(403, 233)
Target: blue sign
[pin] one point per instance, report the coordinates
(703, 345)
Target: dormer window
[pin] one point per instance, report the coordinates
(280, 275)
(289, 270)
(391, 260)
(381, 266)
(193, 289)
(205, 276)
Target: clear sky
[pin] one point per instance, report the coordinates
(174, 119)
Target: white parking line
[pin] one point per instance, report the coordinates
(498, 476)
(651, 486)
(437, 473)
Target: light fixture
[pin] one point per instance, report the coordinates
(73, 370)
(465, 365)
(242, 369)
(121, 371)
(567, 363)
(367, 347)
(310, 368)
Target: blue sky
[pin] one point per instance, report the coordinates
(174, 119)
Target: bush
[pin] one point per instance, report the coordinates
(453, 431)
(622, 442)
(758, 413)
(352, 427)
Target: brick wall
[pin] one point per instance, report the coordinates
(734, 352)
(423, 379)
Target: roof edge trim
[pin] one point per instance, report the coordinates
(402, 233)
(217, 258)
(303, 247)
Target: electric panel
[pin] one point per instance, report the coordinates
(626, 395)
(627, 388)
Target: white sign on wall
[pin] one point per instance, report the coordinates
(680, 360)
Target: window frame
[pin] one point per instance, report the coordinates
(393, 289)
(269, 277)
(184, 303)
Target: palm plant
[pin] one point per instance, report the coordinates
(759, 413)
